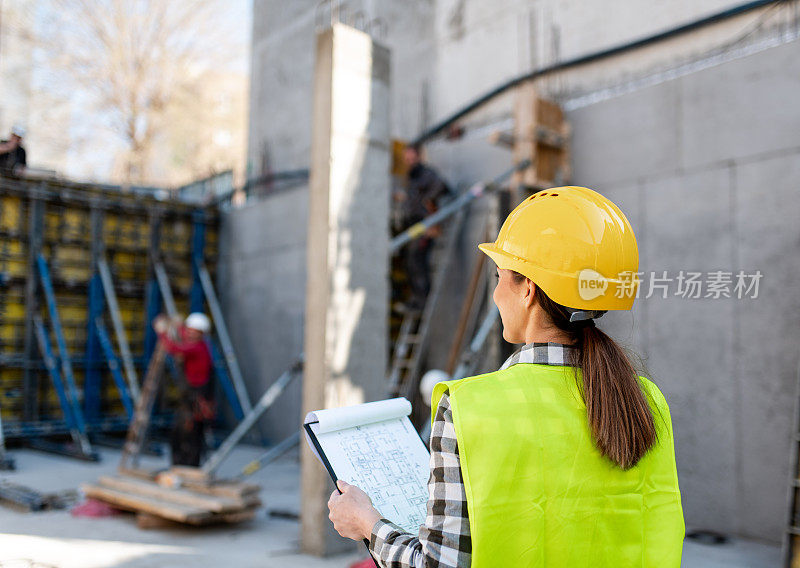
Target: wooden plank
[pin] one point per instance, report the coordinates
(193, 473)
(131, 502)
(525, 114)
(139, 473)
(178, 495)
(466, 309)
(231, 490)
(146, 521)
(240, 517)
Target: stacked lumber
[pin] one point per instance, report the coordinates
(180, 495)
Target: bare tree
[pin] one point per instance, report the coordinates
(134, 61)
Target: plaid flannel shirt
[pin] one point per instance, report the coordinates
(444, 540)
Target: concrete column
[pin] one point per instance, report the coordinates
(347, 287)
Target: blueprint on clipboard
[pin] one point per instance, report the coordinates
(374, 447)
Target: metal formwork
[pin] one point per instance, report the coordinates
(77, 279)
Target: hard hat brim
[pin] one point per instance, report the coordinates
(560, 287)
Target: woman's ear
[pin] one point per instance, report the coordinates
(530, 293)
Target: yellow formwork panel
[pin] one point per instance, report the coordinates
(11, 332)
(74, 224)
(13, 310)
(67, 246)
(127, 231)
(11, 213)
(129, 266)
(71, 263)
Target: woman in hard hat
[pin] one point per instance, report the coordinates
(564, 457)
(196, 410)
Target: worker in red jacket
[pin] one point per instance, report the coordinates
(196, 409)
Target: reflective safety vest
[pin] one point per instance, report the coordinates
(539, 493)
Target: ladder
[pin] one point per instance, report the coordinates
(791, 536)
(137, 430)
(412, 341)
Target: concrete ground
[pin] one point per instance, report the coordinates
(55, 539)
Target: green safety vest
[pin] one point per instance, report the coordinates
(539, 493)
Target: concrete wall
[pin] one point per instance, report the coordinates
(707, 167)
(282, 75)
(704, 165)
(261, 282)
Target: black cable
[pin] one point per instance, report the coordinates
(586, 59)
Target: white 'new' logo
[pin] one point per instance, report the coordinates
(591, 284)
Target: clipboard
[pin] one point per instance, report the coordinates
(327, 464)
(375, 447)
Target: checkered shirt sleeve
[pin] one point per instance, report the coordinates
(444, 540)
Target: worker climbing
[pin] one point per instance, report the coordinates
(196, 409)
(423, 194)
(564, 457)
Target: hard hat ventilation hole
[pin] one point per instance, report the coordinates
(554, 194)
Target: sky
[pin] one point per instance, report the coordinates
(93, 158)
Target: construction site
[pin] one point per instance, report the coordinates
(305, 284)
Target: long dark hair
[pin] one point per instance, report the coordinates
(619, 415)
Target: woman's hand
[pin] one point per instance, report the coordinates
(352, 513)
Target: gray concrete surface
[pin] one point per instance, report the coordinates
(61, 541)
(708, 171)
(261, 283)
(705, 166)
(282, 74)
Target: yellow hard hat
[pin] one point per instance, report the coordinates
(573, 243)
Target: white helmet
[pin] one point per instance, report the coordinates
(18, 130)
(429, 380)
(198, 321)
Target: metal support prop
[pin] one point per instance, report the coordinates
(152, 309)
(163, 287)
(22, 497)
(152, 296)
(70, 408)
(267, 400)
(198, 257)
(165, 291)
(224, 379)
(478, 190)
(119, 329)
(270, 455)
(467, 364)
(93, 377)
(224, 339)
(66, 364)
(113, 365)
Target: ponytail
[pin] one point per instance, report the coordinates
(620, 417)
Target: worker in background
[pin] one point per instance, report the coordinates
(13, 158)
(196, 409)
(564, 457)
(424, 191)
